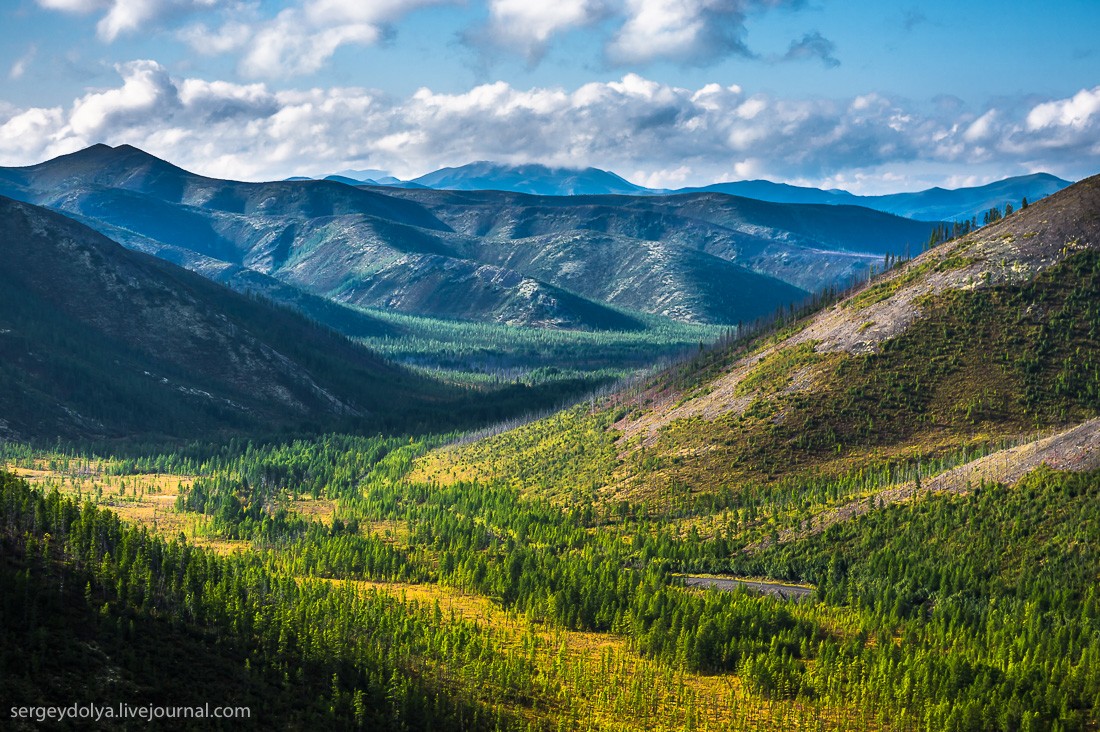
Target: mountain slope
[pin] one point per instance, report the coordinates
(97, 340)
(809, 247)
(472, 255)
(979, 340)
(993, 334)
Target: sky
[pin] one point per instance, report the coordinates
(867, 95)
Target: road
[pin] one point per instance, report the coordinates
(787, 592)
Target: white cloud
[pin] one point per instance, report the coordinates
(686, 31)
(20, 66)
(664, 178)
(35, 124)
(374, 12)
(75, 6)
(230, 37)
(146, 93)
(657, 133)
(127, 16)
(982, 128)
(528, 27)
(301, 38)
(1076, 112)
(287, 46)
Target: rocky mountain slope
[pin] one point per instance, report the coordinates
(577, 262)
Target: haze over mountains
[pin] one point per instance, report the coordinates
(933, 204)
(583, 262)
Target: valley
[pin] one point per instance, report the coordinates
(918, 460)
(415, 269)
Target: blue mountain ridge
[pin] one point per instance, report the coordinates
(933, 204)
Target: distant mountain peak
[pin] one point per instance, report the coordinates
(530, 178)
(103, 154)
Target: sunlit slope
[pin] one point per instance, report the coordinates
(993, 336)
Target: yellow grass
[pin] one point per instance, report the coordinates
(446, 466)
(598, 679)
(316, 509)
(144, 499)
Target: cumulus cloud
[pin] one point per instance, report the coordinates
(813, 46)
(301, 38)
(528, 27)
(1076, 113)
(146, 93)
(287, 47)
(695, 32)
(657, 133)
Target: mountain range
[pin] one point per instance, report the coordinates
(933, 204)
(583, 262)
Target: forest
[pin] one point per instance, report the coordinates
(306, 614)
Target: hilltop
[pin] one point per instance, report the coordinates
(534, 179)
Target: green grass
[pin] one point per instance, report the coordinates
(911, 273)
(565, 456)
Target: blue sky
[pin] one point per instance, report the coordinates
(869, 96)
